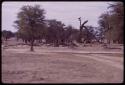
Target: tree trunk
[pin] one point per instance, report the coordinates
(80, 37)
(5, 39)
(25, 41)
(32, 42)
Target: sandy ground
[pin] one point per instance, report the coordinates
(62, 65)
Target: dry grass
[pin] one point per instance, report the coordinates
(93, 64)
(59, 65)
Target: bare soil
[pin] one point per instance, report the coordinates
(61, 65)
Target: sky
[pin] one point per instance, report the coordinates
(67, 12)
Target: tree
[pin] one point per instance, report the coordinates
(30, 23)
(82, 25)
(59, 34)
(105, 23)
(7, 34)
(70, 34)
(111, 23)
(54, 32)
(117, 17)
(89, 34)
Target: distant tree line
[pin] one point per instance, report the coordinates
(32, 26)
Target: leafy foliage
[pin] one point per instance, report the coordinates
(30, 23)
(111, 24)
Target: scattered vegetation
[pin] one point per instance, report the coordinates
(33, 26)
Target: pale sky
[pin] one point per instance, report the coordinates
(67, 12)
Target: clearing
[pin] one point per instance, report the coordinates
(61, 65)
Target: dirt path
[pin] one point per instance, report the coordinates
(106, 60)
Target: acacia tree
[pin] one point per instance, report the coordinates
(30, 23)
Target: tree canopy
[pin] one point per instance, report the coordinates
(30, 23)
(111, 22)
